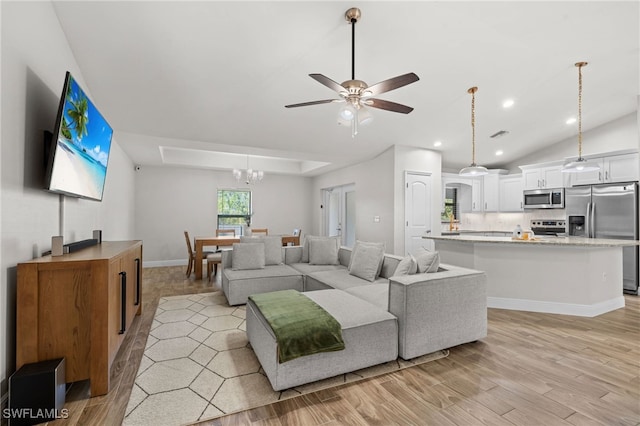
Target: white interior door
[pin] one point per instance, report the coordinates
(417, 211)
(339, 213)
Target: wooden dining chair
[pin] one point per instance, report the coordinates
(220, 231)
(192, 254)
(259, 231)
(213, 260)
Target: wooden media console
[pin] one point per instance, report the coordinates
(79, 306)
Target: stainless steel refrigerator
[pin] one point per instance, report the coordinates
(607, 211)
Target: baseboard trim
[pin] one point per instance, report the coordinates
(556, 307)
(158, 263)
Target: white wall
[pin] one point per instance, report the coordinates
(171, 200)
(35, 57)
(415, 160)
(374, 185)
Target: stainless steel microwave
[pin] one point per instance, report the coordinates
(544, 198)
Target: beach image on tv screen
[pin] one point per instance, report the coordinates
(82, 148)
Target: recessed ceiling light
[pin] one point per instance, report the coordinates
(508, 103)
(499, 152)
(437, 143)
(571, 120)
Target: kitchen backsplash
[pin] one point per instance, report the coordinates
(503, 221)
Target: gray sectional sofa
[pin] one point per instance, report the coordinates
(382, 318)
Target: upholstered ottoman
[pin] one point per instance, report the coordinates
(370, 337)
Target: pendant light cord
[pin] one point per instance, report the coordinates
(473, 91)
(580, 65)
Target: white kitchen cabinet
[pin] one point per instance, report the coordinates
(549, 176)
(491, 192)
(511, 188)
(476, 195)
(614, 168)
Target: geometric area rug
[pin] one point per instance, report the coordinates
(198, 365)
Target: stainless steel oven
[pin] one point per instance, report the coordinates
(544, 198)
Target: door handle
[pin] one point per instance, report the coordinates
(123, 302)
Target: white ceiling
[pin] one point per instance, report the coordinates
(193, 83)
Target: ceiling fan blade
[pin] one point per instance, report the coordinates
(391, 84)
(388, 105)
(328, 82)
(324, 101)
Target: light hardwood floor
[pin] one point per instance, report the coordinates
(532, 369)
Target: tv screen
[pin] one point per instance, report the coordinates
(81, 142)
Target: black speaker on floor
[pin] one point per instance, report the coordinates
(37, 393)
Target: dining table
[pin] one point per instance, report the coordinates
(228, 240)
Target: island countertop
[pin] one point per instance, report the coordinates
(553, 241)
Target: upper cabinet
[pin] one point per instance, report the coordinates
(614, 168)
(543, 176)
(511, 187)
(491, 192)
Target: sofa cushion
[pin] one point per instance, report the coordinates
(407, 266)
(339, 279)
(308, 238)
(366, 260)
(376, 294)
(428, 261)
(272, 248)
(323, 251)
(306, 269)
(247, 256)
(367, 243)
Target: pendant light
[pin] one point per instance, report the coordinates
(580, 165)
(473, 169)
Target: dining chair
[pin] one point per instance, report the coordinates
(192, 254)
(260, 231)
(213, 260)
(220, 231)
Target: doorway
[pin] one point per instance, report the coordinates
(340, 213)
(417, 211)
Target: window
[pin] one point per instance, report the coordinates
(234, 209)
(450, 204)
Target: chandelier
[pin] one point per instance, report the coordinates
(250, 175)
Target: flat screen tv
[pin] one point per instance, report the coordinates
(79, 155)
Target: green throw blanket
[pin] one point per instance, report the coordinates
(300, 325)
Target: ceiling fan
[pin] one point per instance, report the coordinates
(356, 93)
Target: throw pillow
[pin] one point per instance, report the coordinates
(358, 243)
(428, 261)
(323, 251)
(407, 266)
(305, 245)
(247, 256)
(272, 248)
(365, 261)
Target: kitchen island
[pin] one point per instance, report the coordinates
(561, 275)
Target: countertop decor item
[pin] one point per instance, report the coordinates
(473, 169)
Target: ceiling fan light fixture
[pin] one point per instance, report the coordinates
(580, 165)
(364, 116)
(347, 112)
(357, 93)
